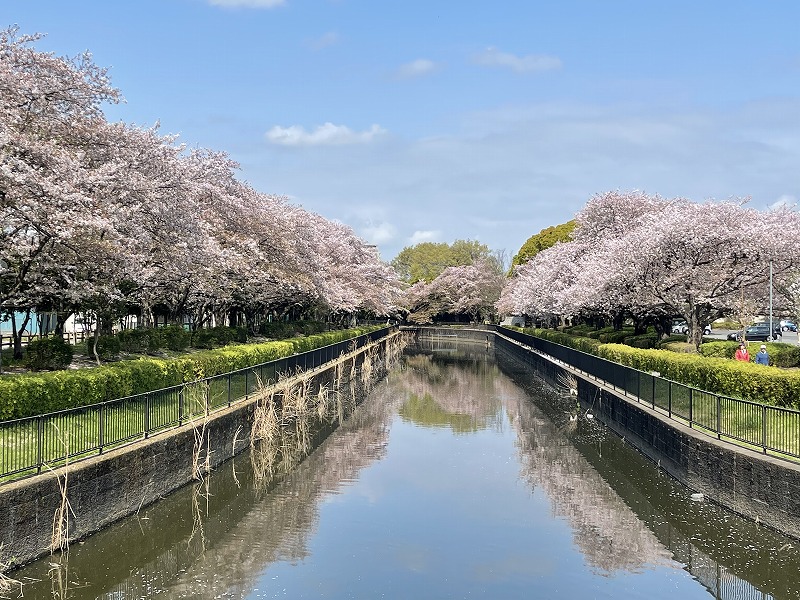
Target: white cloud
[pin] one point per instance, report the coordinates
(416, 68)
(379, 233)
(248, 3)
(550, 157)
(327, 39)
(784, 201)
(424, 236)
(324, 135)
(492, 57)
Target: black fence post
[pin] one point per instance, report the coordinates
(764, 428)
(719, 418)
(691, 407)
(101, 427)
(146, 414)
(638, 386)
(39, 443)
(180, 406)
(669, 399)
(653, 380)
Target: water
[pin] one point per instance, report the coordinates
(449, 481)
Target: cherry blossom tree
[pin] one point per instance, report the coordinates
(104, 217)
(469, 291)
(641, 256)
(50, 110)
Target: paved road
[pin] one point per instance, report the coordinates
(789, 337)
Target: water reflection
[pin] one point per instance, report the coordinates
(732, 557)
(608, 533)
(623, 517)
(437, 394)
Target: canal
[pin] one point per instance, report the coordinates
(460, 475)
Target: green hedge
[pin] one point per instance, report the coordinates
(749, 381)
(36, 393)
(712, 372)
(48, 353)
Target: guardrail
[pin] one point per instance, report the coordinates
(771, 429)
(31, 444)
(71, 337)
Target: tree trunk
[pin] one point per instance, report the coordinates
(18, 333)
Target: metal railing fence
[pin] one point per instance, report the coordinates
(71, 337)
(31, 444)
(768, 428)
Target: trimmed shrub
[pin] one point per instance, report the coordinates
(204, 338)
(175, 338)
(748, 381)
(49, 353)
(36, 393)
(287, 329)
(277, 330)
(648, 340)
(615, 336)
(139, 341)
(215, 337)
(784, 355)
(108, 346)
(675, 337)
(719, 349)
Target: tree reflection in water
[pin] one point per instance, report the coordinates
(623, 515)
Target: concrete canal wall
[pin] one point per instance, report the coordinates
(757, 486)
(760, 487)
(106, 488)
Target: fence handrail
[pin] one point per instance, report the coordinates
(27, 444)
(771, 429)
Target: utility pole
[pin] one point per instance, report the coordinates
(771, 330)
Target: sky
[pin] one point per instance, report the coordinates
(434, 121)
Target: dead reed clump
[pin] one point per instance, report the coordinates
(59, 579)
(368, 366)
(338, 373)
(323, 401)
(233, 455)
(59, 539)
(289, 412)
(8, 585)
(200, 492)
(568, 384)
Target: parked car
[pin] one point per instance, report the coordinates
(787, 325)
(758, 332)
(682, 328)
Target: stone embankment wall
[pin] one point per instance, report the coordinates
(757, 486)
(106, 488)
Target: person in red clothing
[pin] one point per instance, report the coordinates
(742, 354)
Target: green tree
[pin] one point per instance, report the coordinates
(426, 261)
(542, 241)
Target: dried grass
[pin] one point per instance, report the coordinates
(8, 585)
(59, 539)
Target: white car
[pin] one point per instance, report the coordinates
(682, 328)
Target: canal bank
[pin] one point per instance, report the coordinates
(47, 512)
(762, 488)
(461, 475)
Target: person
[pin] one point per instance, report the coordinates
(742, 353)
(762, 358)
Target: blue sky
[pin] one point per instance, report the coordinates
(434, 121)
